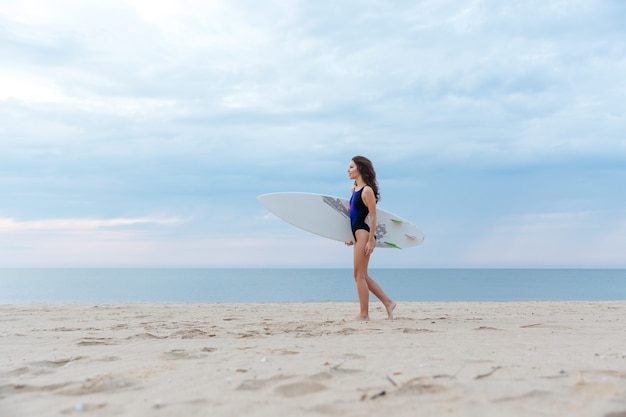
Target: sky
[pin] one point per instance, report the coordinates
(138, 133)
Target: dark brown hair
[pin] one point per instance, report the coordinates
(366, 169)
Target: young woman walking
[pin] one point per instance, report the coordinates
(365, 195)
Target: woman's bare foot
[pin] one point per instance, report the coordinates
(390, 308)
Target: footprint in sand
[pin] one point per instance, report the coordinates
(145, 336)
(108, 359)
(346, 331)
(56, 364)
(95, 341)
(44, 367)
(182, 408)
(352, 356)
(409, 330)
(284, 352)
(418, 386)
(257, 384)
(16, 372)
(176, 354)
(530, 394)
(193, 334)
(101, 384)
(23, 388)
(66, 329)
(297, 389)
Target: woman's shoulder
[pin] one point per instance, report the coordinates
(369, 191)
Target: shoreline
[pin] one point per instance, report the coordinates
(106, 286)
(291, 358)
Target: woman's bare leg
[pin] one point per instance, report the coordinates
(365, 283)
(380, 294)
(361, 261)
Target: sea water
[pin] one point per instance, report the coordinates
(114, 285)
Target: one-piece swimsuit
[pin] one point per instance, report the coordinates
(358, 213)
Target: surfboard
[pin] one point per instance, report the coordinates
(329, 217)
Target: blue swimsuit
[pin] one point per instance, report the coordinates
(358, 213)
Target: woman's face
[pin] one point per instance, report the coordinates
(353, 171)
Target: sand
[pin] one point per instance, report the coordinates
(293, 359)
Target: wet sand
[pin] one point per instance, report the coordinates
(291, 359)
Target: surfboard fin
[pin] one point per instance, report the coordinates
(411, 236)
(393, 245)
(397, 221)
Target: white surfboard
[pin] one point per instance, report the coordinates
(329, 217)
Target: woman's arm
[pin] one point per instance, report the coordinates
(370, 201)
(351, 242)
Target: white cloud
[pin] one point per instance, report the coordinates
(27, 88)
(12, 225)
(575, 239)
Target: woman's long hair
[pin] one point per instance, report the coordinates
(366, 169)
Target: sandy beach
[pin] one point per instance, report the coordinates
(290, 359)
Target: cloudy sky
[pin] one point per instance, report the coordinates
(139, 132)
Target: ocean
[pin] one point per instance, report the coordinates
(179, 285)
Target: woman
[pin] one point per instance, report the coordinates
(363, 204)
